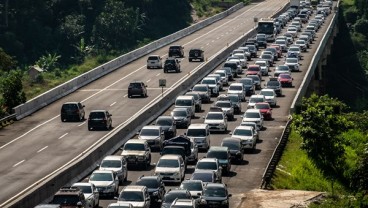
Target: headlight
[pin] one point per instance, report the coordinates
(225, 202)
(176, 174)
(111, 187)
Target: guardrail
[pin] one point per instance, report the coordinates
(7, 119)
(72, 85)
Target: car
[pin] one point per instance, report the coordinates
(268, 57)
(171, 195)
(237, 88)
(196, 54)
(172, 64)
(182, 117)
(222, 154)
(294, 49)
(137, 152)
(136, 195)
(106, 182)
(265, 109)
(274, 52)
(175, 150)
(116, 163)
(293, 64)
(255, 99)
(154, 61)
(216, 121)
(256, 80)
(270, 96)
(247, 137)
(200, 133)
(206, 176)
(98, 119)
(72, 111)
(254, 69)
(235, 148)
(71, 197)
(154, 135)
(253, 50)
(278, 49)
(195, 187)
(184, 203)
(293, 31)
(216, 195)
(168, 126)
(210, 164)
(286, 80)
(242, 58)
(137, 88)
(176, 51)
(262, 42)
(219, 80)
(235, 67)
(251, 42)
(224, 76)
(255, 127)
(212, 84)
(236, 102)
(175, 143)
(247, 52)
(249, 85)
(155, 187)
(302, 44)
(297, 25)
(194, 149)
(283, 44)
(274, 84)
(281, 69)
(204, 91)
(227, 108)
(254, 115)
(197, 100)
(307, 38)
(184, 101)
(90, 193)
(263, 64)
(171, 168)
(120, 205)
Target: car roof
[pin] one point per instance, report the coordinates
(165, 117)
(231, 139)
(197, 125)
(192, 181)
(134, 188)
(171, 157)
(82, 184)
(113, 157)
(95, 111)
(71, 103)
(244, 127)
(180, 109)
(184, 97)
(207, 160)
(253, 110)
(143, 177)
(267, 89)
(135, 141)
(201, 85)
(219, 185)
(181, 202)
(237, 84)
(102, 171)
(218, 148)
(257, 96)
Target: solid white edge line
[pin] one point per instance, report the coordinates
(62, 136)
(42, 149)
(15, 165)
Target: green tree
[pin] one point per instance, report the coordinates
(320, 123)
(361, 26)
(48, 62)
(6, 62)
(11, 89)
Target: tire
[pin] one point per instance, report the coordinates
(190, 60)
(98, 204)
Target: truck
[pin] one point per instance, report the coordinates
(295, 4)
(267, 26)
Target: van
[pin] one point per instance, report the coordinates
(184, 101)
(200, 133)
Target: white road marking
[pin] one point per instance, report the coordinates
(42, 149)
(112, 104)
(63, 135)
(125, 95)
(15, 165)
(207, 43)
(82, 124)
(149, 80)
(158, 74)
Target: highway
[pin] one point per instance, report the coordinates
(39, 144)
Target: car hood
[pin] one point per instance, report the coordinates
(208, 121)
(291, 64)
(234, 91)
(223, 162)
(132, 152)
(136, 204)
(214, 198)
(101, 183)
(113, 169)
(242, 137)
(269, 97)
(234, 152)
(87, 196)
(148, 137)
(166, 170)
(251, 119)
(178, 118)
(165, 205)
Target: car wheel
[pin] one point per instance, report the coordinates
(190, 60)
(97, 205)
(89, 128)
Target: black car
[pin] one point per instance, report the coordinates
(235, 148)
(137, 88)
(155, 186)
(196, 54)
(216, 195)
(222, 154)
(262, 42)
(168, 125)
(72, 111)
(249, 86)
(176, 51)
(171, 195)
(99, 119)
(172, 64)
(252, 41)
(275, 84)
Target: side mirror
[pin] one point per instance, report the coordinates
(230, 195)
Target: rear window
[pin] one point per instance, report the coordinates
(135, 85)
(153, 58)
(69, 107)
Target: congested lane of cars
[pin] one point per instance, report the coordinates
(232, 128)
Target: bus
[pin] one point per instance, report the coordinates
(267, 27)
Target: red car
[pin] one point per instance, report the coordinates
(265, 109)
(278, 49)
(285, 80)
(254, 70)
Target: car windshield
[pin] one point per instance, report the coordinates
(246, 81)
(149, 183)
(170, 61)
(223, 104)
(164, 122)
(191, 186)
(179, 113)
(182, 102)
(291, 29)
(234, 99)
(292, 60)
(84, 189)
(131, 196)
(135, 85)
(206, 165)
(222, 74)
(149, 132)
(285, 76)
(253, 68)
(214, 192)
(266, 56)
(170, 197)
(200, 88)
(242, 132)
(262, 106)
(267, 93)
(168, 163)
(217, 154)
(281, 42)
(110, 164)
(215, 116)
(282, 68)
(240, 56)
(300, 42)
(231, 145)
(256, 100)
(196, 132)
(204, 177)
(101, 177)
(209, 81)
(134, 147)
(261, 63)
(235, 87)
(255, 78)
(294, 49)
(273, 83)
(65, 199)
(69, 107)
(252, 115)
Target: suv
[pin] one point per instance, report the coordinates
(137, 151)
(222, 154)
(171, 195)
(211, 164)
(196, 53)
(155, 186)
(176, 51)
(171, 168)
(216, 195)
(204, 91)
(168, 125)
(154, 61)
(172, 64)
(184, 203)
(99, 119)
(117, 164)
(70, 197)
(275, 84)
(217, 121)
(106, 182)
(137, 88)
(72, 110)
(138, 196)
(90, 193)
(154, 135)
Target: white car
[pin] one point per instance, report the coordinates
(302, 44)
(135, 195)
(224, 76)
(154, 61)
(246, 135)
(195, 187)
(243, 59)
(154, 135)
(90, 193)
(247, 52)
(255, 99)
(120, 205)
(117, 164)
(295, 49)
(281, 69)
(106, 182)
(293, 31)
(212, 84)
(171, 168)
(254, 115)
(217, 121)
(264, 66)
(292, 63)
(270, 96)
(210, 164)
(237, 88)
